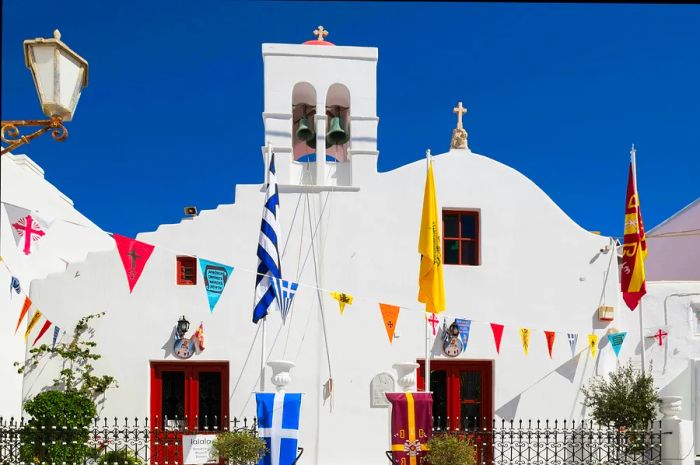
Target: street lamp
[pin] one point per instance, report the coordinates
(59, 75)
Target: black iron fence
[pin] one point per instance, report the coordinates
(108, 441)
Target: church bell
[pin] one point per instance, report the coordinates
(304, 132)
(336, 135)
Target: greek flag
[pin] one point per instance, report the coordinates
(285, 291)
(268, 255)
(278, 425)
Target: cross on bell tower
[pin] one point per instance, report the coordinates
(459, 134)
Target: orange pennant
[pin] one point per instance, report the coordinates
(390, 314)
(23, 313)
(550, 335)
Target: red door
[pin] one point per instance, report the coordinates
(186, 398)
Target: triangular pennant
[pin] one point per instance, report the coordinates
(285, 292)
(342, 299)
(25, 309)
(616, 340)
(593, 344)
(464, 327)
(15, 286)
(32, 322)
(390, 315)
(550, 335)
(44, 328)
(56, 330)
(134, 255)
(497, 334)
(659, 335)
(27, 227)
(199, 336)
(216, 275)
(525, 339)
(433, 320)
(573, 339)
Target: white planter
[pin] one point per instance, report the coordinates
(670, 407)
(280, 373)
(406, 375)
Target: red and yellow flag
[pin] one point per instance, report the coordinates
(431, 285)
(634, 250)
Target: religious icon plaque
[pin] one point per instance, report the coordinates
(381, 383)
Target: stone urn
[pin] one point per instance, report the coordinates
(280, 373)
(406, 375)
(670, 407)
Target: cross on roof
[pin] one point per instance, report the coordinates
(320, 33)
(459, 110)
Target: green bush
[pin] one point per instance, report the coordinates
(121, 457)
(450, 449)
(57, 431)
(239, 447)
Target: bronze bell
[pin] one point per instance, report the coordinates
(304, 132)
(336, 135)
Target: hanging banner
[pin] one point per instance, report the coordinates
(550, 335)
(497, 334)
(134, 255)
(26, 227)
(390, 315)
(464, 327)
(616, 340)
(285, 292)
(411, 425)
(573, 339)
(593, 344)
(44, 328)
(278, 425)
(216, 275)
(342, 299)
(525, 339)
(56, 330)
(25, 309)
(32, 322)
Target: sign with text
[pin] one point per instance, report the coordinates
(197, 449)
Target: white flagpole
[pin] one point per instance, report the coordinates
(425, 314)
(633, 154)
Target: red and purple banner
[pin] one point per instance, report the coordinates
(411, 425)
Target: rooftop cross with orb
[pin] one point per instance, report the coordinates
(459, 110)
(459, 134)
(320, 33)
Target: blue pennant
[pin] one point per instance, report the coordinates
(216, 275)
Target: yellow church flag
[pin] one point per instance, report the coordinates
(525, 339)
(593, 344)
(431, 285)
(32, 322)
(342, 299)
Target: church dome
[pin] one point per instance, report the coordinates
(320, 34)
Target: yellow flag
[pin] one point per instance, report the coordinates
(593, 344)
(525, 339)
(342, 299)
(431, 286)
(32, 322)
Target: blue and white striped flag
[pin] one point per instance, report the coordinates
(268, 254)
(285, 291)
(278, 425)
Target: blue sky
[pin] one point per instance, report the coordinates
(172, 114)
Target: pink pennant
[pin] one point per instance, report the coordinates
(134, 255)
(550, 335)
(497, 334)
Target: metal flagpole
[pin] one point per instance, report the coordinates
(425, 314)
(633, 154)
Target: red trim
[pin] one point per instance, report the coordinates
(184, 261)
(476, 240)
(318, 42)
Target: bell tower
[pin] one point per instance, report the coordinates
(320, 112)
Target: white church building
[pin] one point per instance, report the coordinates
(511, 257)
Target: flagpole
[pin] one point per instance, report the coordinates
(633, 155)
(425, 315)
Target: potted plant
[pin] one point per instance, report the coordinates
(450, 449)
(239, 447)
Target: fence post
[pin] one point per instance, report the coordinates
(677, 448)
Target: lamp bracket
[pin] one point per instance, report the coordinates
(11, 136)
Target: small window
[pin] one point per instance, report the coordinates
(186, 270)
(461, 237)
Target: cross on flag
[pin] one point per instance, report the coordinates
(27, 227)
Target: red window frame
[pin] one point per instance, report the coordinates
(182, 262)
(476, 240)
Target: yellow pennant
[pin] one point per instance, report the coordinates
(525, 339)
(593, 344)
(32, 322)
(342, 299)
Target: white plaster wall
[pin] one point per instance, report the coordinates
(539, 269)
(23, 184)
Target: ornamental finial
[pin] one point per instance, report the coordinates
(320, 33)
(57, 34)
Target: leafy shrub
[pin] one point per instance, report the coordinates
(121, 457)
(239, 447)
(450, 449)
(57, 431)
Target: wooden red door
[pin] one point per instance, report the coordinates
(186, 398)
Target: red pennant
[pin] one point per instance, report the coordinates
(44, 328)
(25, 309)
(550, 335)
(134, 255)
(497, 334)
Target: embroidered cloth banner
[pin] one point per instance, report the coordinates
(411, 425)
